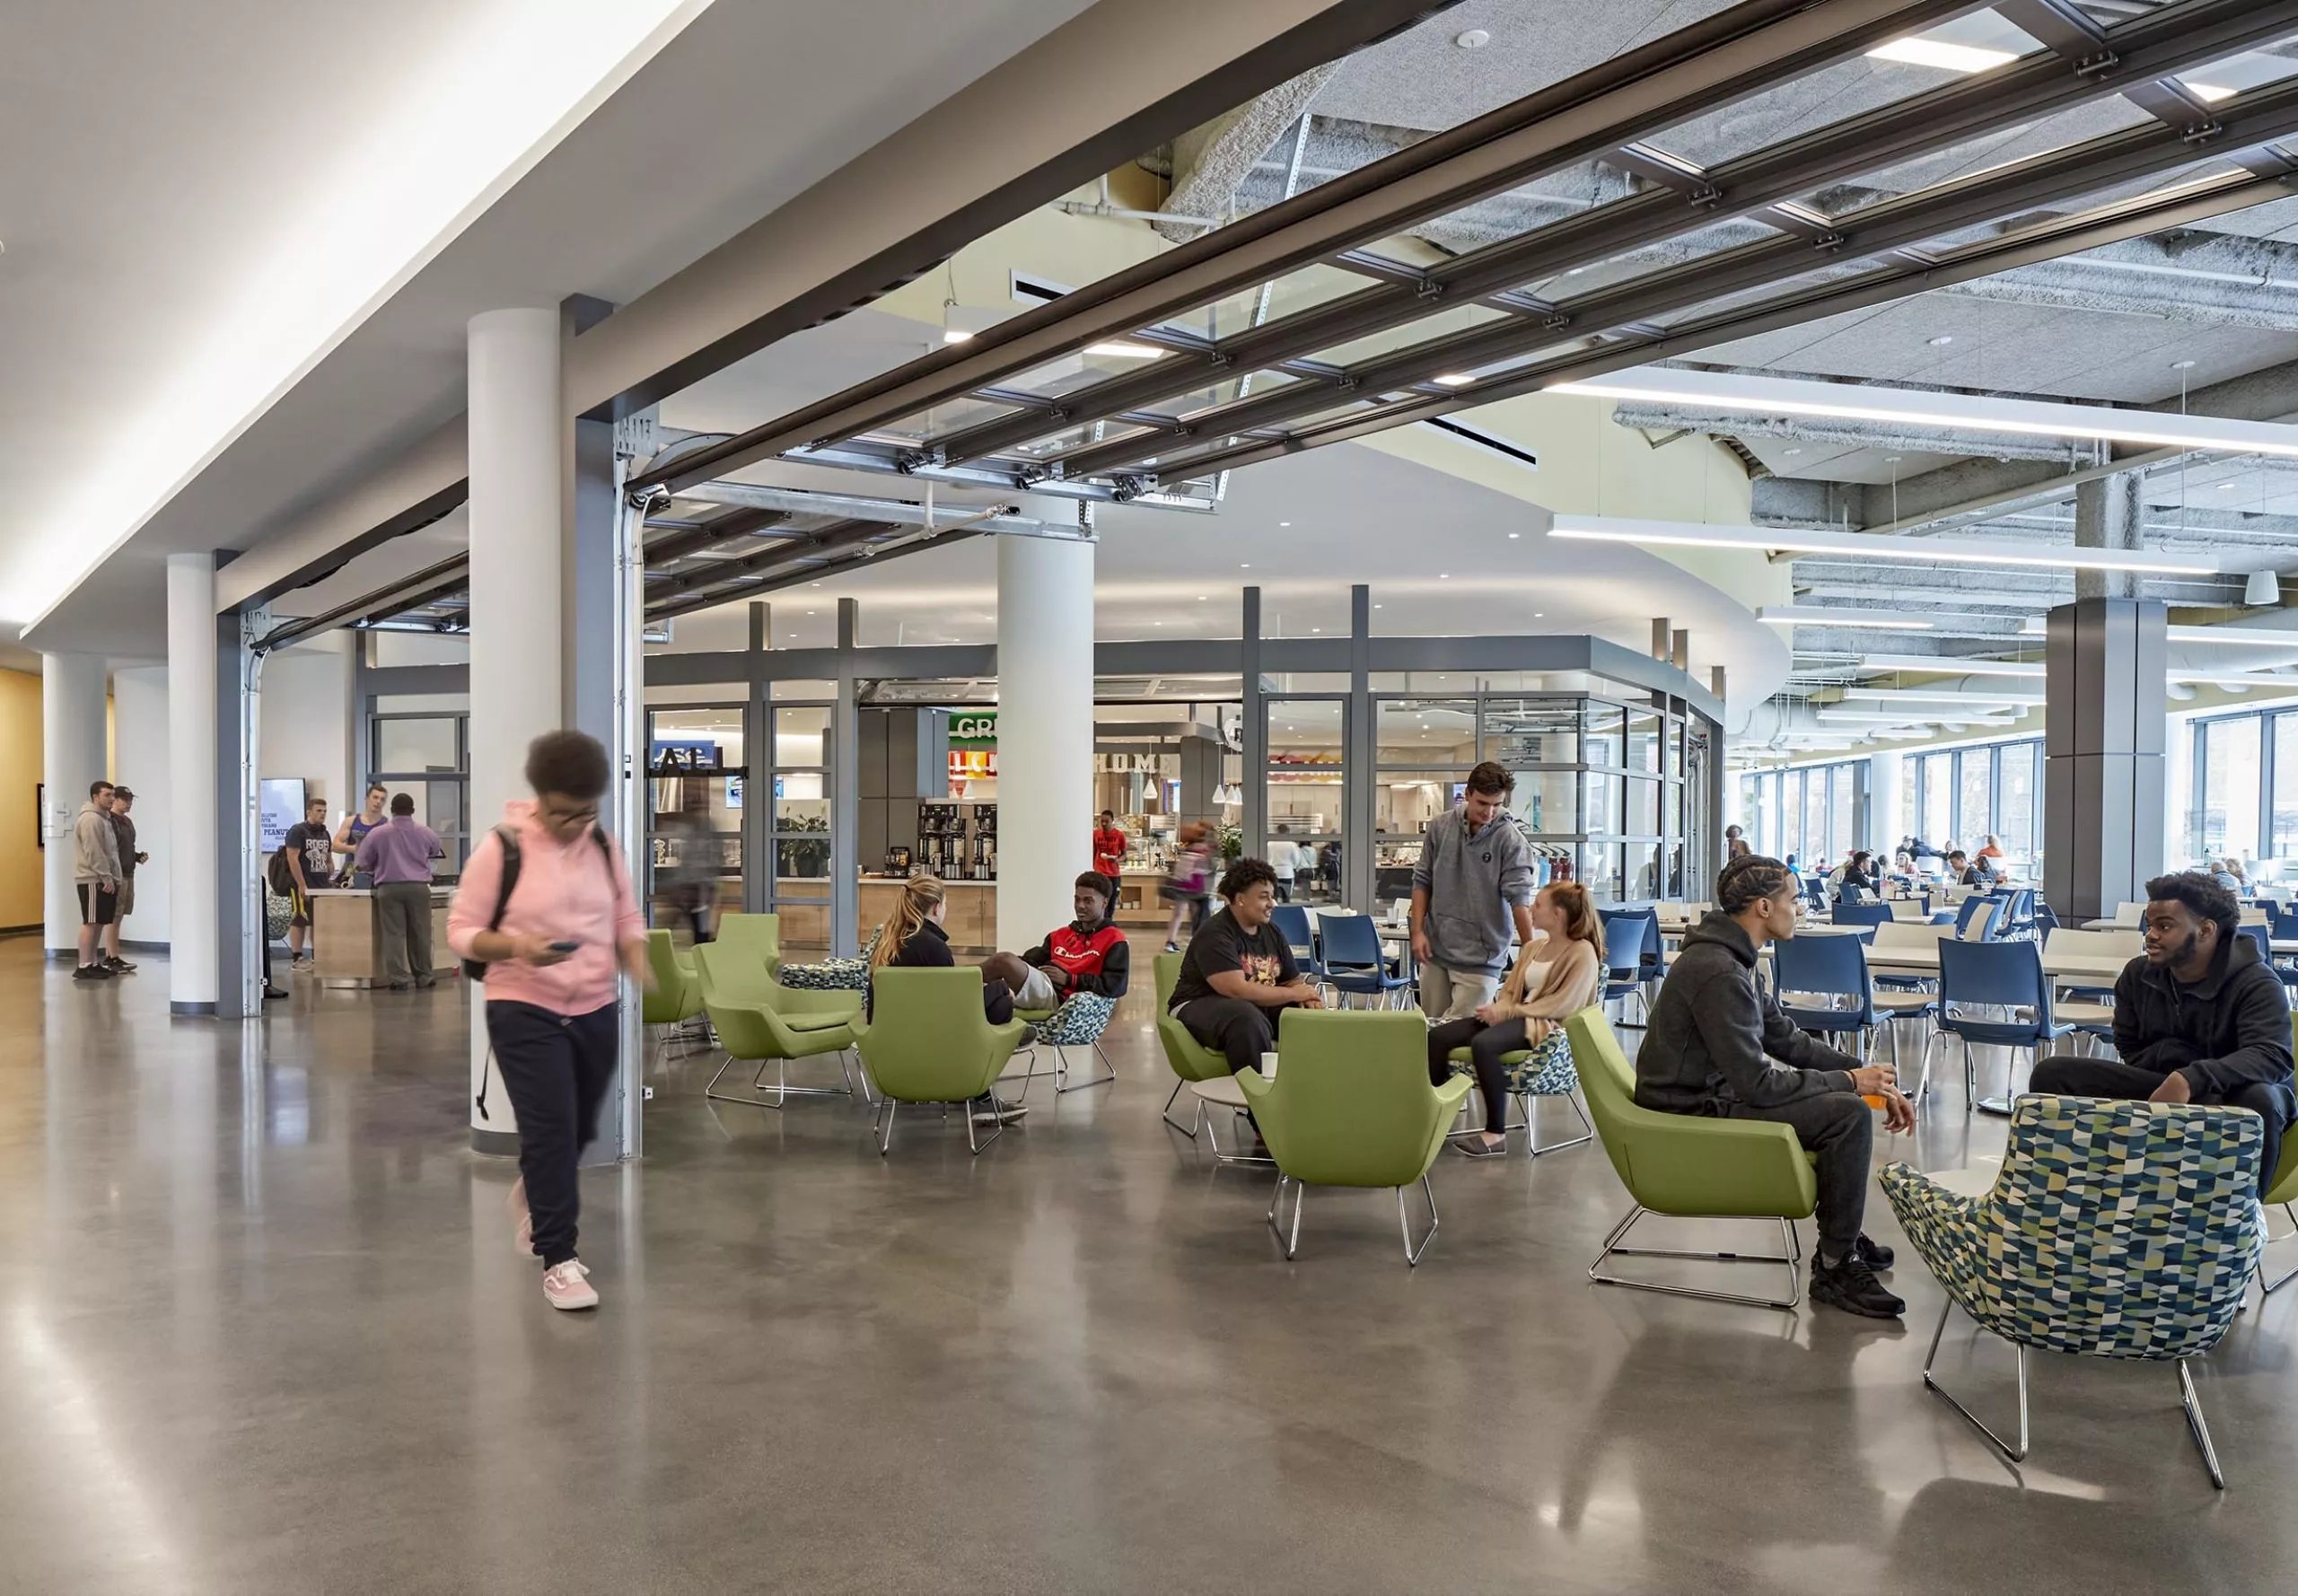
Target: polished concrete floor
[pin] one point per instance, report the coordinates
(261, 1330)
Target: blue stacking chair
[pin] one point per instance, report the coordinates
(1970, 926)
(1815, 892)
(1828, 966)
(1300, 933)
(1353, 964)
(1624, 933)
(1975, 975)
(1654, 963)
(2260, 936)
(1863, 913)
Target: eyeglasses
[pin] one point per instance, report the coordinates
(569, 817)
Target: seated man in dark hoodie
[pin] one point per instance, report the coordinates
(2199, 1018)
(1090, 954)
(1718, 1045)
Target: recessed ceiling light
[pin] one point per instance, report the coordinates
(1939, 53)
(956, 335)
(1538, 614)
(1247, 567)
(1200, 598)
(1376, 606)
(1795, 451)
(1475, 39)
(1941, 341)
(2182, 365)
(1444, 576)
(1455, 380)
(1284, 523)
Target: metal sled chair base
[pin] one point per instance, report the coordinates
(783, 1089)
(881, 1126)
(2189, 1401)
(1060, 1072)
(1793, 1257)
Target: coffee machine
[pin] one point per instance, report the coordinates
(985, 843)
(940, 839)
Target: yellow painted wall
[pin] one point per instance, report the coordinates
(23, 890)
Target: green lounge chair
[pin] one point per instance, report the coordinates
(928, 1042)
(1351, 1105)
(759, 1021)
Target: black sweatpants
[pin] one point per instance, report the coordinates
(1840, 1128)
(1241, 1032)
(556, 1068)
(2062, 1076)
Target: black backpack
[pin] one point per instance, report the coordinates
(282, 878)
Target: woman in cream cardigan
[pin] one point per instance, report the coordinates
(1559, 972)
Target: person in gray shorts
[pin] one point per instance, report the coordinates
(1472, 885)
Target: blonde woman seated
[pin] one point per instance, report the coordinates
(1559, 972)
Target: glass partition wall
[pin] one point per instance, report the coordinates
(1603, 785)
(697, 779)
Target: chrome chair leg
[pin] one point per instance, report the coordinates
(1533, 1144)
(2267, 1288)
(1213, 1141)
(1931, 1382)
(2195, 1425)
(886, 1138)
(1062, 1083)
(1292, 1243)
(1189, 1131)
(975, 1144)
(783, 1089)
(1612, 1249)
(1411, 1253)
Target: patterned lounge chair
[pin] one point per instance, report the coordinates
(2117, 1230)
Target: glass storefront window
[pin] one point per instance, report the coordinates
(1601, 803)
(2015, 820)
(1976, 803)
(1426, 732)
(1405, 801)
(2285, 786)
(1605, 729)
(1843, 810)
(1938, 774)
(1641, 815)
(2230, 798)
(1643, 730)
(1523, 733)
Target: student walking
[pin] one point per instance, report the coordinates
(545, 903)
(95, 870)
(124, 834)
(398, 854)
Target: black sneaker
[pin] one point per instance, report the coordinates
(274, 993)
(91, 972)
(119, 967)
(1873, 1254)
(1852, 1286)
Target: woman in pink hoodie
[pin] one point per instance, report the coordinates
(551, 953)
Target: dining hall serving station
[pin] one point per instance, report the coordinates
(347, 942)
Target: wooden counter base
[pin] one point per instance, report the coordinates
(348, 943)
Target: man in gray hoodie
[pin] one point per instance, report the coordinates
(1473, 880)
(95, 868)
(1719, 1045)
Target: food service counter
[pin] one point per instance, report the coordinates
(347, 939)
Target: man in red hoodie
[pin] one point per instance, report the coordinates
(1089, 954)
(551, 944)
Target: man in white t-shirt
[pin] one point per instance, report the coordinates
(1285, 859)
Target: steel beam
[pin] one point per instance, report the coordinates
(718, 572)
(1684, 199)
(1717, 61)
(855, 559)
(2145, 151)
(1906, 275)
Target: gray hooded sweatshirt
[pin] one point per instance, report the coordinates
(1473, 882)
(95, 846)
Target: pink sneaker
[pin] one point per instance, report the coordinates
(564, 1286)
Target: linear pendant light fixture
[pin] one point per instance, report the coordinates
(1819, 615)
(1862, 546)
(1951, 412)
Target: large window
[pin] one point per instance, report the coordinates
(1967, 794)
(1817, 813)
(2244, 798)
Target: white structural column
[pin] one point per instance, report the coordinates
(194, 840)
(517, 532)
(1885, 822)
(1045, 731)
(72, 755)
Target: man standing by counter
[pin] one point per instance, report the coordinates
(398, 854)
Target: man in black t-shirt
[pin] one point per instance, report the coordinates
(311, 861)
(1238, 972)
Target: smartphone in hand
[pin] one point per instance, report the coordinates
(564, 947)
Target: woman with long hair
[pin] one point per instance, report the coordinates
(912, 938)
(1559, 972)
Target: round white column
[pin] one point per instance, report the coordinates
(517, 535)
(194, 925)
(1045, 731)
(72, 755)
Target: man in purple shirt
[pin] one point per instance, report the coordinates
(398, 854)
